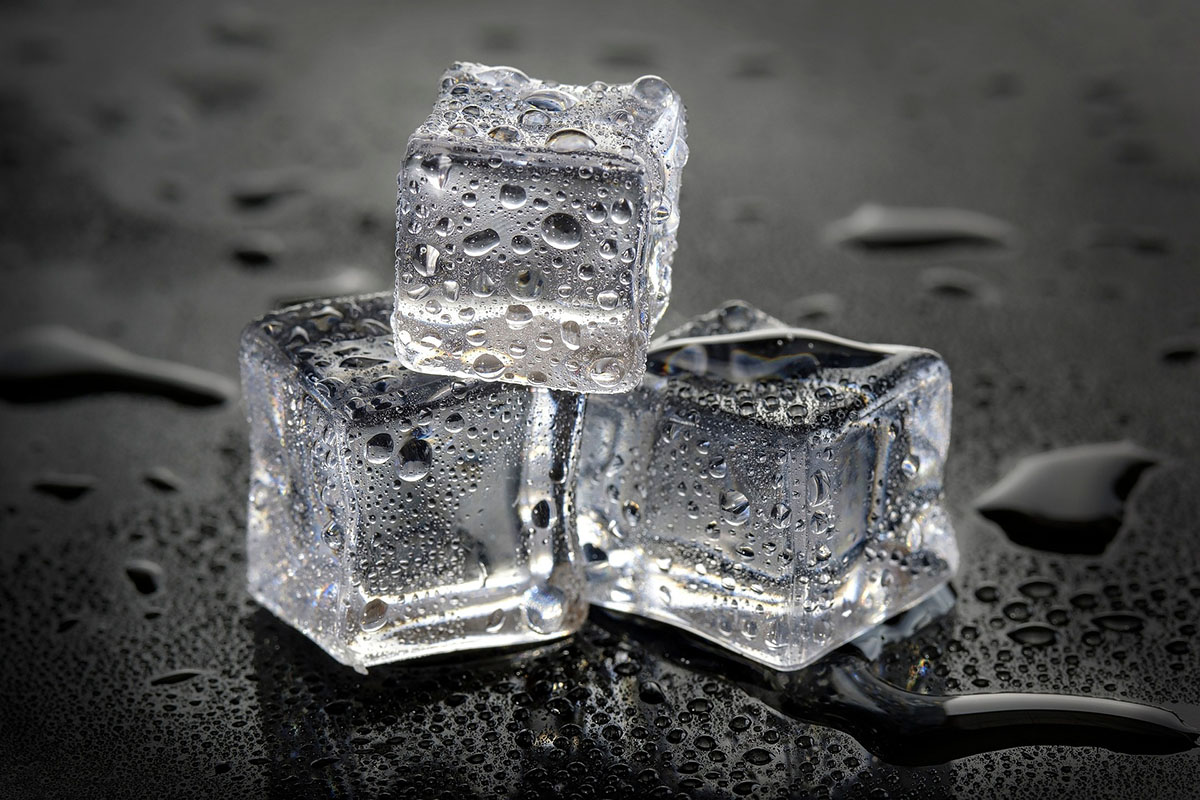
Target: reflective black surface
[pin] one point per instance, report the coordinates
(171, 170)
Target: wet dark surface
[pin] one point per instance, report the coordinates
(170, 171)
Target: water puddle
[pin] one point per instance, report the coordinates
(55, 363)
(64, 485)
(1067, 501)
(875, 227)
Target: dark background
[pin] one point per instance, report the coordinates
(171, 170)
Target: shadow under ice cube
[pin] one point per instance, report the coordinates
(536, 225)
(773, 489)
(395, 514)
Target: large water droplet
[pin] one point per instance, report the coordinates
(512, 196)
(652, 90)
(518, 316)
(570, 140)
(488, 366)
(534, 119)
(606, 371)
(561, 231)
(622, 211)
(379, 448)
(480, 242)
(545, 608)
(416, 457)
(735, 507)
(571, 334)
(551, 100)
(374, 614)
(425, 258)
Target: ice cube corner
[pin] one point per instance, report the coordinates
(536, 226)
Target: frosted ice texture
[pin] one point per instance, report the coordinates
(394, 514)
(775, 490)
(535, 228)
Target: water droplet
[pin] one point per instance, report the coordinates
(1033, 635)
(480, 242)
(608, 299)
(551, 100)
(521, 244)
(571, 334)
(540, 514)
(652, 90)
(512, 196)
(518, 316)
(379, 448)
(818, 488)
(504, 133)
(146, 576)
(488, 366)
(561, 231)
(495, 620)
(416, 458)
(534, 120)
(462, 129)
(621, 212)
(781, 515)
(1121, 623)
(606, 370)
(545, 608)
(570, 140)
(374, 614)
(595, 212)
(735, 507)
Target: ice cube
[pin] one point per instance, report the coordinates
(535, 228)
(773, 489)
(395, 514)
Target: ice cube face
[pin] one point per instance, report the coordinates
(535, 229)
(772, 489)
(394, 514)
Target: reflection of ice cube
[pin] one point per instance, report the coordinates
(773, 489)
(394, 514)
(535, 229)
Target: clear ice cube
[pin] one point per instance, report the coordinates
(535, 229)
(773, 489)
(394, 514)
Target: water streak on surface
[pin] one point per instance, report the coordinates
(56, 363)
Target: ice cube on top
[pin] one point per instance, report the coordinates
(394, 514)
(773, 489)
(536, 223)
